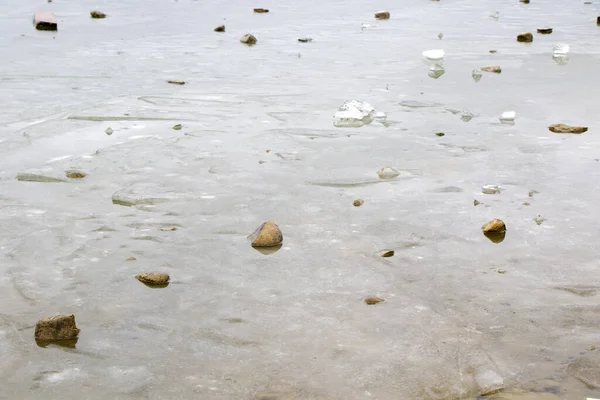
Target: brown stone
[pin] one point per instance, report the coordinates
(97, 14)
(494, 226)
(44, 21)
(544, 31)
(266, 235)
(59, 327)
(526, 37)
(387, 253)
(248, 39)
(220, 28)
(261, 10)
(476, 203)
(493, 51)
(524, 1)
(598, 21)
(174, 82)
(131, 259)
(382, 15)
(373, 300)
(72, 174)
(562, 128)
(358, 202)
(153, 278)
(492, 68)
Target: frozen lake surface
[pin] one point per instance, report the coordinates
(462, 316)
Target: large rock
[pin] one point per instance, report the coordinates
(586, 369)
(526, 37)
(44, 21)
(266, 235)
(57, 328)
(562, 128)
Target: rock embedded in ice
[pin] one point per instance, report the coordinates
(387, 173)
(436, 54)
(266, 235)
(492, 68)
(153, 278)
(490, 189)
(353, 114)
(74, 174)
(544, 31)
(436, 70)
(109, 131)
(508, 117)
(97, 14)
(372, 300)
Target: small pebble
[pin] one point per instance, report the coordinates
(440, 134)
(494, 226)
(544, 31)
(72, 174)
(261, 10)
(167, 228)
(382, 15)
(358, 202)
(373, 300)
(492, 68)
(130, 259)
(177, 127)
(97, 14)
(248, 39)
(220, 28)
(387, 253)
(266, 235)
(109, 131)
(476, 203)
(539, 220)
(526, 37)
(501, 271)
(305, 40)
(174, 82)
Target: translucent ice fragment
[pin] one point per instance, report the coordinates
(353, 114)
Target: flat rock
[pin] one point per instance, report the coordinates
(492, 68)
(153, 278)
(563, 128)
(544, 31)
(305, 40)
(266, 235)
(526, 37)
(372, 300)
(220, 28)
(97, 14)
(248, 39)
(586, 369)
(59, 327)
(382, 15)
(26, 177)
(176, 82)
(44, 21)
(494, 226)
(387, 253)
(261, 10)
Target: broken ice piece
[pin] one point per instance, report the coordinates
(353, 114)
(477, 74)
(387, 173)
(364, 26)
(436, 54)
(508, 117)
(490, 189)
(466, 116)
(436, 70)
(561, 49)
(560, 59)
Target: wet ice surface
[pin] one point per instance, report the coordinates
(233, 321)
